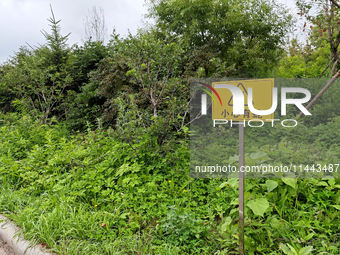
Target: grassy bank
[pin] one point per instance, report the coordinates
(88, 193)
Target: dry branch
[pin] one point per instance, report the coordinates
(321, 92)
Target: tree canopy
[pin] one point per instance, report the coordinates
(248, 35)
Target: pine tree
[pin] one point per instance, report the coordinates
(56, 43)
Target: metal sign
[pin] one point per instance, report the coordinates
(262, 99)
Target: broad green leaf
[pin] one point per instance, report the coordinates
(126, 180)
(292, 249)
(258, 155)
(306, 250)
(126, 168)
(331, 181)
(336, 206)
(123, 215)
(233, 159)
(234, 202)
(233, 182)
(235, 210)
(336, 197)
(275, 223)
(258, 206)
(308, 236)
(290, 181)
(226, 223)
(223, 184)
(286, 250)
(322, 184)
(271, 185)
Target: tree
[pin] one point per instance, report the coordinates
(95, 27)
(304, 60)
(6, 94)
(248, 35)
(56, 43)
(145, 83)
(42, 77)
(87, 102)
(324, 16)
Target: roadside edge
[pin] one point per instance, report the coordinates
(19, 244)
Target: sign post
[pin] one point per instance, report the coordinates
(262, 100)
(241, 188)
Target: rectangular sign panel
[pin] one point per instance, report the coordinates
(262, 100)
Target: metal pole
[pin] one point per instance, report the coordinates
(241, 189)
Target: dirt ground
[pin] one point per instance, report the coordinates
(5, 249)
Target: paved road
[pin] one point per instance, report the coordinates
(5, 249)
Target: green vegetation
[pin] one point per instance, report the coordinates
(95, 139)
(90, 193)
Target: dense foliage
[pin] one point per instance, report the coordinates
(247, 37)
(89, 193)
